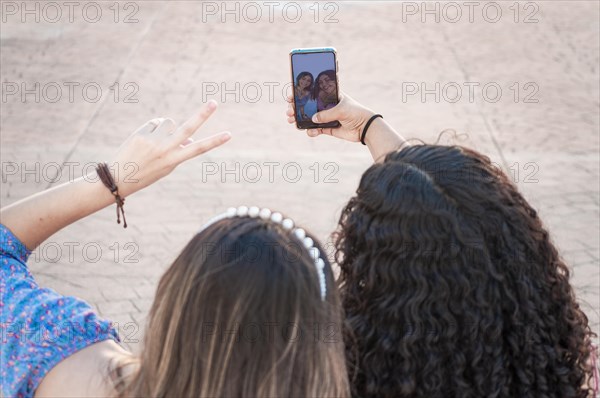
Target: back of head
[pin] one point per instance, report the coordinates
(452, 287)
(240, 313)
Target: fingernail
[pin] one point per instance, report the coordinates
(226, 136)
(212, 104)
(315, 118)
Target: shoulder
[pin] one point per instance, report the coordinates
(85, 373)
(41, 327)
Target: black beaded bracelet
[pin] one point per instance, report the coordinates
(364, 132)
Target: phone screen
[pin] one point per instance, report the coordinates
(315, 85)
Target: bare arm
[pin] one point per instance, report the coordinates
(155, 149)
(37, 217)
(382, 139)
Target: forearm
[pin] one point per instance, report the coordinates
(37, 217)
(155, 149)
(382, 139)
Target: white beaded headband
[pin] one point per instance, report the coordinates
(287, 224)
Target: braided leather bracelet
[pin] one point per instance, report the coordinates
(109, 182)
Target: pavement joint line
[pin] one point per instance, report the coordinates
(488, 126)
(101, 104)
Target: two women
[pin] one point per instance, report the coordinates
(320, 93)
(449, 283)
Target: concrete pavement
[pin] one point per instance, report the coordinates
(520, 84)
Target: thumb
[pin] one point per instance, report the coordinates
(326, 116)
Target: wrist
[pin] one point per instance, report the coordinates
(368, 129)
(382, 139)
(108, 180)
(125, 176)
(365, 115)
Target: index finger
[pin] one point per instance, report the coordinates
(187, 129)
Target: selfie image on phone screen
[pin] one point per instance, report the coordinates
(315, 84)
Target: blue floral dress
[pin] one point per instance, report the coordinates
(38, 327)
(300, 104)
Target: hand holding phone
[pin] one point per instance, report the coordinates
(315, 84)
(353, 118)
(350, 115)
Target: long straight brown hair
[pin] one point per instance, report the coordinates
(239, 314)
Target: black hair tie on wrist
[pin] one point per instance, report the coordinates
(364, 132)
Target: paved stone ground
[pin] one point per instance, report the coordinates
(167, 63)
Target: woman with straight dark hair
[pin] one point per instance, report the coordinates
(450, 283)
(248, 308)
(303, 91)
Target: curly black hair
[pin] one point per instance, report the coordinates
(452, 286)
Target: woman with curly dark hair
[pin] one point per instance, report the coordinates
(450, 282)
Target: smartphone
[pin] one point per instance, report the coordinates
(314, 83)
